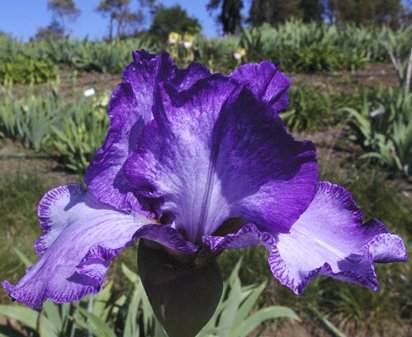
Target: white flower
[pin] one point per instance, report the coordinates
(188, 44)
(89, 92)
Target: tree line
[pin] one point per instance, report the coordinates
(340, 12)
(126, 17)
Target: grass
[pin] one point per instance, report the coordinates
(18, 222)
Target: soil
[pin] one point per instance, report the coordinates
(15, 160)
(100, 82)
(376, 76)
(335, 150)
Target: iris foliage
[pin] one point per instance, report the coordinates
(301, 47)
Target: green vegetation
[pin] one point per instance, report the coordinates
(316, 47)
(311, 109)
(75, 129)
(383, 126)
(19, 197)
(80, 134)
(37, 62)
(300, 47)
(27, 71)
(130, 314)
(173, 19)
(29, 120)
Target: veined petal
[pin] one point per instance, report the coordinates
(130, 109)
(328, 239)
(266, 82)
(215, 152)
(81, 236)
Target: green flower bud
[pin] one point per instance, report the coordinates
(183, 296)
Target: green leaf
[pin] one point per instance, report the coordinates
(260, 316)
(53, 316)
(25, 316)
(328, 324)
(131, 328)
(23, 258)
(99, 327)
(232, 304)
(47, 328)
(248, 304)
(132, 276)
(101, 300)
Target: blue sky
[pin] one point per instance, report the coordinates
(22, 18)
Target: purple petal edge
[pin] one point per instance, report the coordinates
(331, 227)
(80, 238)
(266, 82)
(130, 109)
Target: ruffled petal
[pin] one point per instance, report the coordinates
(81, 236)
(248, 236)
(215, 152)
(266, 82)
(130, 109)
(328, 239)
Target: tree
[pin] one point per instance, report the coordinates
(115, 10)
(121, 16)
(364, 12)
(173, 19)
(313, 10)
(63, 10)
(230, 14)
(53, 31)
(387, 11)
(274, 11)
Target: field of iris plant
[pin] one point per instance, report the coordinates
(351, 94)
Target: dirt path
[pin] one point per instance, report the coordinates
(377, 75)
(14, 160)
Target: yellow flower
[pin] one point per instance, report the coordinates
(174, 38)
(240, 53)
(188, 41)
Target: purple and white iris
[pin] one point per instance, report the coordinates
(199, 163)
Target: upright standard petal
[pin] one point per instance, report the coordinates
(80, 238)
(328, 239)
(215, 152)
(130, 109)
(266, 82)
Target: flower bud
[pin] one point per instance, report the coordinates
(183, 297)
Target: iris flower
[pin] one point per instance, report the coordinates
(199, 163)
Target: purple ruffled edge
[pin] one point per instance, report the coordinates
(87, 280)
(372, 251)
